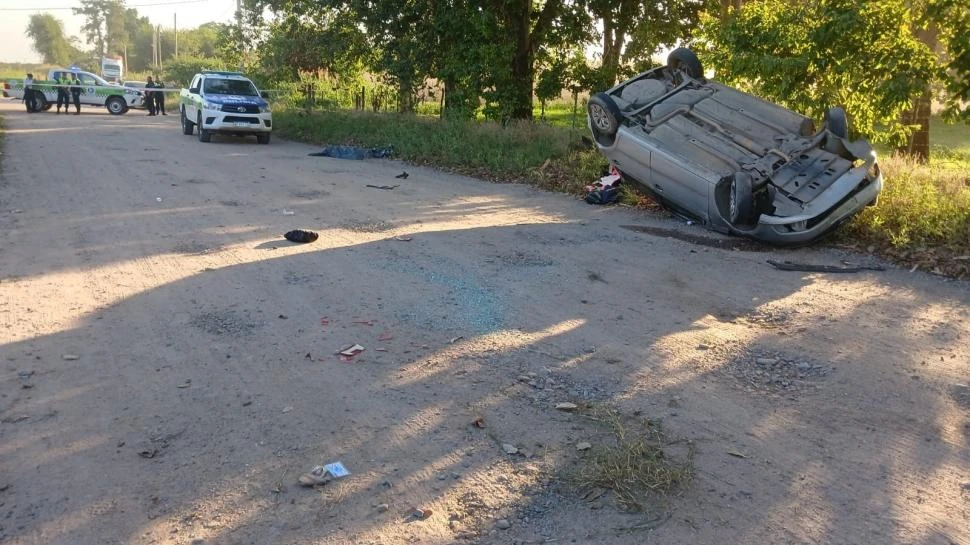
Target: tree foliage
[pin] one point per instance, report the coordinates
(47, 33)
(633, 31)
(952, 19)
(860, 54)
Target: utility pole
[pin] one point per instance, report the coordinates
(159, 35)
(175, 23)
(154, 48)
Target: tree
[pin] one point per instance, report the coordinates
(860, 54)
(47, 33)
(525, 24)
(633, 30)
(105, 25)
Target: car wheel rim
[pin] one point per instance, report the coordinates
(599, 118)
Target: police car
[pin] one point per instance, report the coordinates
(224, 102)
(95, 91)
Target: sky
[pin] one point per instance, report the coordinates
(15, 46)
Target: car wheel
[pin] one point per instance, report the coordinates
(262, 138)
(204, 134)
(836, 122)
(186, 124)
(116, 106)
(604, 114)
(741, 210)
(686, 60)
(41, 102)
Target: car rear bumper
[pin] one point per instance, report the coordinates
(802, 230)
(218, 121)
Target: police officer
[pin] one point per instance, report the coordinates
(150, 96)
(63, 95)
(29, 99)
(159, 98)
(76, 93)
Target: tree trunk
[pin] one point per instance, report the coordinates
(526, 36)
(522, 77)
(918, 146)
(405, 96)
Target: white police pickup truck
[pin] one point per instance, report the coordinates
(224, 102)
(95, 91)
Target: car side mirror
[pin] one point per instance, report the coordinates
(194, 90)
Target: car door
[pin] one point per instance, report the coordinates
(673, 179)
(90, 87)
(191, 99)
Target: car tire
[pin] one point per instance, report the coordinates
(604, 114)
(686, 60)
(836, 122)
(41, 102)
(187, 125)
(262, 138)
(741, 209)
(204, 134)
(116, 106)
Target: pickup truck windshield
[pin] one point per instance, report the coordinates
(214, 86)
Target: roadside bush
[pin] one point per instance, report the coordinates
(920, 205)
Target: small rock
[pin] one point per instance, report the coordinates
(510, 449)
(766, 361)
(804, 366)
(503, 524)
(583, 446)
(71, 357)
(382, 508)
(566, 406)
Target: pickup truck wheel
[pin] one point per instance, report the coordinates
(204, 135)
(836, 122)
(116, 106)
(686, 60)
(41, 102)
(604, 114)
(262, 138)
(741, 210)
(187, 125)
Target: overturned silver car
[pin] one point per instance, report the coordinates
(734, 162)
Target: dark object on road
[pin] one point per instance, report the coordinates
(299, 235)
(607, 195)
(734, 162)
(384, 187)
(353, 152)
(806, 267)
(402, 176)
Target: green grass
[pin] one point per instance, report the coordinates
(20, 70)
(632, 459)
(920, 206)
(923, 214)
(511, 153)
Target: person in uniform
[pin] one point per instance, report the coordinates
(76, 91)
(150, 96)
(63, 95)
(159, 98)
(29, 100)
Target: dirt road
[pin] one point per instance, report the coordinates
(169, 364)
